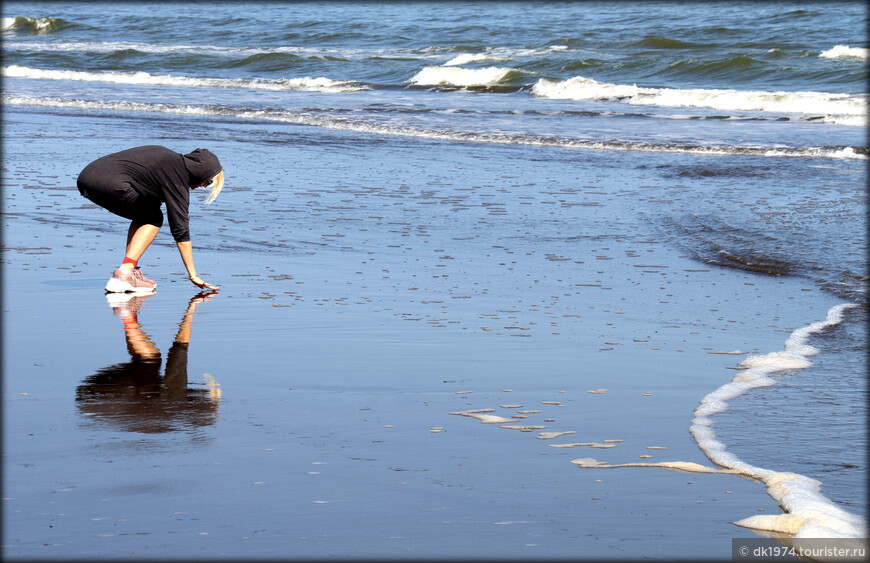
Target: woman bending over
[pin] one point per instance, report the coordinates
(133, 184)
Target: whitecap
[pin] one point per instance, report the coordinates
(470, 58)
(842, 108)
(845, 52)
(41, 25)
(454, 76)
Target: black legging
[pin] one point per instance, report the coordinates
(120, 198)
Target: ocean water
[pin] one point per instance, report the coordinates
(690, 167)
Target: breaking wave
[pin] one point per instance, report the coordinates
(837, 108)
(465, 77)
(38, 26)
(846, 52)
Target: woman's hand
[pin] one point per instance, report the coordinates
(202, 284)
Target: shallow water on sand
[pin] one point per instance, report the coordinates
(372, 287)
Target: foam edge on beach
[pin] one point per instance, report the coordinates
(807, 513)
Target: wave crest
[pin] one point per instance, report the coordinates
(464, 77)
(37, 26)
(472, 57)
(845, 52)
(269, 61)
(842, 108)
(666, 43)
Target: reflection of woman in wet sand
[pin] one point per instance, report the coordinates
(132, 396)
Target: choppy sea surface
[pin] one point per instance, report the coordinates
(750, 118)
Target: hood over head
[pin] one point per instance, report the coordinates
(201, 165)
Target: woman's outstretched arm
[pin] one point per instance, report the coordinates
(185, 248)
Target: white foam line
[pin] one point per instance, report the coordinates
(841, 108)
(808, 514)
(320, 84)
(375, 129)
(683, 466)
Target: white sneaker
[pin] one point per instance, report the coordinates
(133, 280)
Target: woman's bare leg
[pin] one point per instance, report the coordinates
(139, 238)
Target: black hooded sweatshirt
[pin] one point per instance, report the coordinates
(162, 176)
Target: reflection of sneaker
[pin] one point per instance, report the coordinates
(133, 280)
(124, 304)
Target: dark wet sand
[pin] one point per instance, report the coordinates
(358, 309)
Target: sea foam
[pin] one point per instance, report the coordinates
(808, 514)
(455, 76)
(845, 52)
(362, 126)
(850, 110)
(320, 84)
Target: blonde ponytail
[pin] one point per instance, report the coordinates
(216, 184)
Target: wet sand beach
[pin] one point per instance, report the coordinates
(369, 292)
